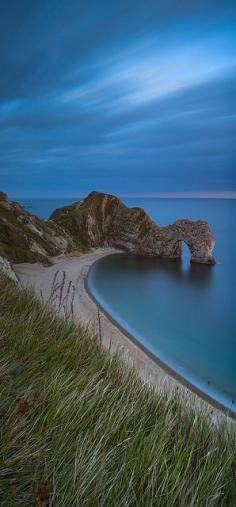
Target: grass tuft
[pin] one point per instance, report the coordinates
(80, 428)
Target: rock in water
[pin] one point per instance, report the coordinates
(103, 220)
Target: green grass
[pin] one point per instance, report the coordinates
(78, 428)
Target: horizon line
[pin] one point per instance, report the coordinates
(151, 195)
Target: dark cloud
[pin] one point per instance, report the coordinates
(120, 96)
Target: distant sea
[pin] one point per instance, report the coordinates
(43, 208)
(184, 314)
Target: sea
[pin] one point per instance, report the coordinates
(185, 314)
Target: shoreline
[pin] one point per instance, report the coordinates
(74, 271)
(164, 366)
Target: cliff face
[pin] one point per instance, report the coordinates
(103, 220)
(26, 238)
(99, 220)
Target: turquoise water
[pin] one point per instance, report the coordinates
(184, 314)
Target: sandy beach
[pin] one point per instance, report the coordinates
(63, 285)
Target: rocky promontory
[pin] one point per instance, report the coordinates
(100, 220)
(103, 220)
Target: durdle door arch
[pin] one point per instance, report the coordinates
(103, 220)
(196, 235)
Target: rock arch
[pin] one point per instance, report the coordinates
(103, 220)
(195, 234)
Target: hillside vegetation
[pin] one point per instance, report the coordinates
(78, 428)
(27, 238)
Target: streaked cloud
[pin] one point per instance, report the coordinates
(118, 97)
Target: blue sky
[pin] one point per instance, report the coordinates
(126, 97)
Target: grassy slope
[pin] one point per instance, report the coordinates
(77, 428)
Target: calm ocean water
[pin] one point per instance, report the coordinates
(185, 314)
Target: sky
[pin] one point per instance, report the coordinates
(126, 97)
